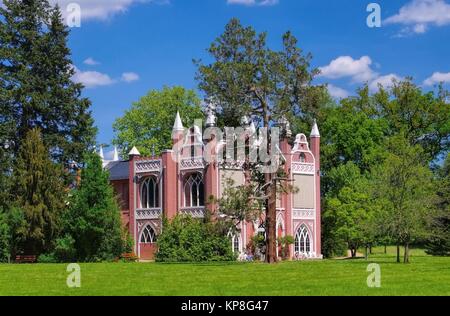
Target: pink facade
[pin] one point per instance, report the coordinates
(181, 180)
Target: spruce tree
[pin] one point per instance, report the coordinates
(39, 194)
(93, 219)
(36, 84)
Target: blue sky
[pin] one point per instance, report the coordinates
(126, 47)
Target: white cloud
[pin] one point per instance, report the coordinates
(130, 76)
(92, 79)
(91, 62)
(337, 92)
(436, 78)
(417, 15)
(385, 81)
(102, 9)
(253, 2)
(345, 66)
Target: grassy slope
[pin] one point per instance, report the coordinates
(424, 276)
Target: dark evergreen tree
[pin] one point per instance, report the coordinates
(36, 84)
(39, 195)
(93, 219)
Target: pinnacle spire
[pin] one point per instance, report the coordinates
(134, 152)
(315, 130)
(178, 125)
(116, 154)
(101, 154)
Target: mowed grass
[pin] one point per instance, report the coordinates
(426, 275)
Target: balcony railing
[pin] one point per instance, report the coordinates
(195, 212)
(192, 163)
(304, 214)
(148, 213)
(145, 166)
(303, 168)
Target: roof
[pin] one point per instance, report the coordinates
(118, 170)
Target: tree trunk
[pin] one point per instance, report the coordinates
(406, 256)
(398, 253)
(367, 253)
(385, 249)
(271, 224)
(370, 249)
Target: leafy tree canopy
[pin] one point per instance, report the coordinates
(148, 124)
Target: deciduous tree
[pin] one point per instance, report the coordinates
(148, 124)
(404, 188)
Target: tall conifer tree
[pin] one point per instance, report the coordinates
(93, 219)
(39, 193)
(37, 90)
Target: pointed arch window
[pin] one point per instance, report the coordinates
(302, 157)
(149, 193)
(236, 243)
(194, 191)
(148, 235)
(302, 240)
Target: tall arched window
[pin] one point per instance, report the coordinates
(194, 191)
(148, 235)
(149, 193)
(236, 243)
(302, 240)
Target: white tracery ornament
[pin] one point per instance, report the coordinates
(148, 235)
(302, 241)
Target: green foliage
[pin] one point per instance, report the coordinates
(371, 136)
(351, 135)
(284, 243)
(248, 78)
(36, 87)
(148, 124)
(238, 204)
(185, 239)
(405, 191)
(93, 219)
(439, 243)
(39, 195)
(349, 211)
(5, 249)
(65, 250)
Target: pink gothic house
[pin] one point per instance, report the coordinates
(149, 187)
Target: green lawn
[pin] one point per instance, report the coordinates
(424, 276)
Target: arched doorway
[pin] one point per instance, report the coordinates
(147, 243)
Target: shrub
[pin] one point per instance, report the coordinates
(4, 238)
(285, 242)
(65, 249)
(185, 239)
(47, 258)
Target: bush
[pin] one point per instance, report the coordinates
(185, 239)
(47, 258)
(4, 238)
(65, 249)
(285, 242)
